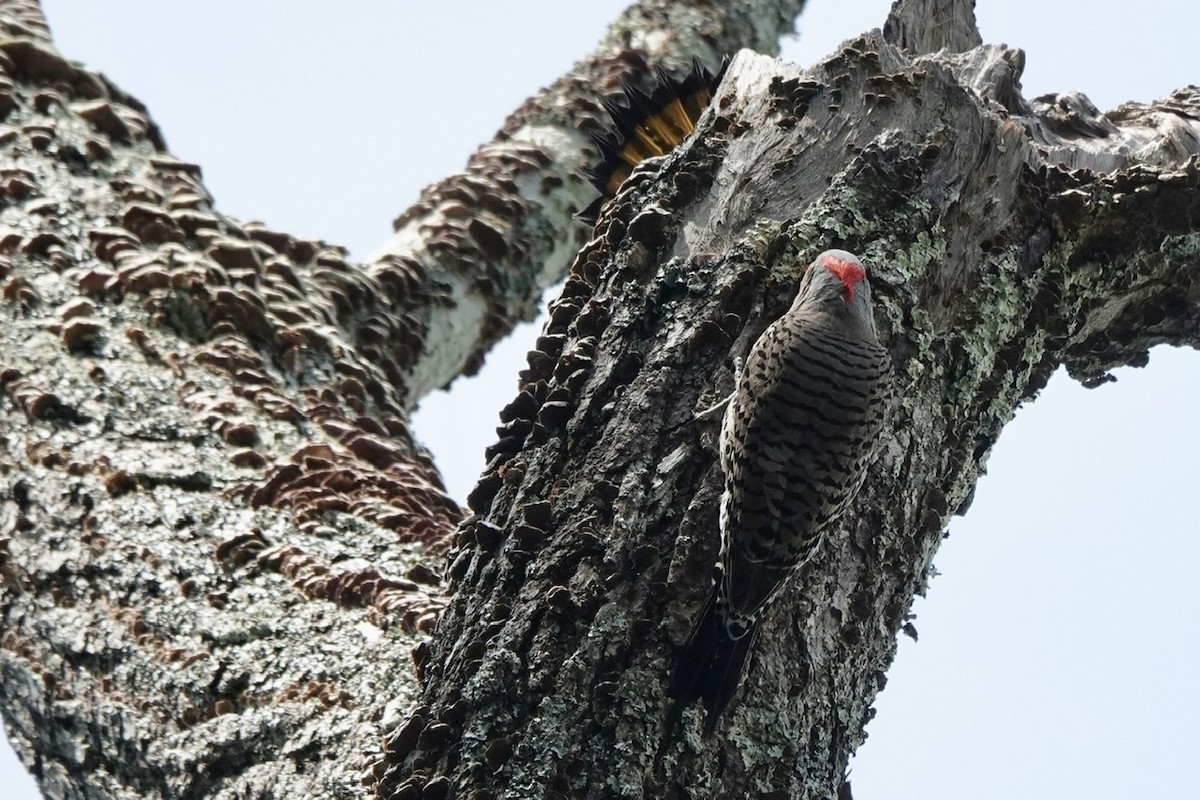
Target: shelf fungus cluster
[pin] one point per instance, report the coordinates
(37, 403)
(411, 599)
(513, 520)
(223, 316)
(251, 287)
(551, 386)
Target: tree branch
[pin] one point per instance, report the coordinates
(480, 246)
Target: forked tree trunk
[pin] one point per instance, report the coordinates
(219, 544)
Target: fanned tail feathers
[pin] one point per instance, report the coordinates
(646, 124)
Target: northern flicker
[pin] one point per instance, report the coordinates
(798, 433)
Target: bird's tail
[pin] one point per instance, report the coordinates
(711, 663)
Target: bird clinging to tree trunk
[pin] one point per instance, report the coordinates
(797, 436)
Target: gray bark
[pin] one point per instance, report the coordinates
(484, 243)
(1005, 238)
(216, 535)
(219, 545)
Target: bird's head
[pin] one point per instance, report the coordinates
(836, 284)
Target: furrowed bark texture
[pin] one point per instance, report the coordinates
(996, 254)
(218, 542)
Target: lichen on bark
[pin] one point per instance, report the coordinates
(219, 543)
(220, 546)
(587, 554)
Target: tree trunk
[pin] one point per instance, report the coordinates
(1004, 238)
(220, 546)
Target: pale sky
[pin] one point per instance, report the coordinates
(1058, 646)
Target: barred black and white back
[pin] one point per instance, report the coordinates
(799, 432)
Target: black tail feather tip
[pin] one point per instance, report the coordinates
(710, 666)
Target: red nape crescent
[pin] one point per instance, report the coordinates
(848, 272)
